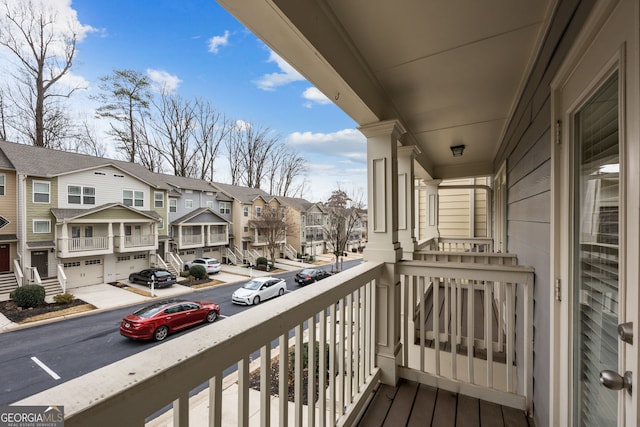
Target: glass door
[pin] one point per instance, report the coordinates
(596, 185)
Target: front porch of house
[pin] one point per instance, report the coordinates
(356, 318)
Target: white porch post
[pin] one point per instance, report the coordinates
(432, 206)
(383, 244)
(406, 201)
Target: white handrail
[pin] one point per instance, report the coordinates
(62, 278)
(141, 384)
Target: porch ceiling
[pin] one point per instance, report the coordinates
(451, 71)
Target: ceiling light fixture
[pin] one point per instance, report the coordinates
(457, 150)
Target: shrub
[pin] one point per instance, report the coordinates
(261, 267)
(198, 272)
(65, 298)
(185, 273)
(28, 296)
(262, 261)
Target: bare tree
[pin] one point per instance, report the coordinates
(284, 167)
(88, 142)
(248, 151)
(212, 127)
(44, 51)
(174, 129)
(125, 102)
(343, 214)
(272, 226)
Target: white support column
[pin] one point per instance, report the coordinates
(383, 244)
(432, 208)
(406, 200)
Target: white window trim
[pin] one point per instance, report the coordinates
(133, 198)
(173, 204)
(33, 226)
(33, 191)
(156, 200)
(188, 203)
(3, 184)
(82, 194)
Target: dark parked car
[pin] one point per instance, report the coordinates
(160, 277)
(310, 275)
(158, 320)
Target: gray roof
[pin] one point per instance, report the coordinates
(46, 162)
(196, 213)
(62, 214)
(296, 203)
(243, 194)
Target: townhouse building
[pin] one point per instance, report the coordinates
(81, 219)
(199, 219)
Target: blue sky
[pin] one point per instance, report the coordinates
(198, 49)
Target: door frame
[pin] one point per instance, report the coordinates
(608, 41)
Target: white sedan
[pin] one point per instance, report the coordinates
(259, 289)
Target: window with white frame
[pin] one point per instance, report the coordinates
(245, 211)
(41, 191)
(173, 205)
(210, 204)
(188, 203)
(80, 195)
(161, 224)
(133, 198)
(41, 226)
(158, 199)
(3, 184)
(225, 208)
(258, 210)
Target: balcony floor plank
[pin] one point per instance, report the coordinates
(426, 401)
(412, 404)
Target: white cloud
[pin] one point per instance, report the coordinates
(163, 81)
(216, 42)
(348, 144)
(314, 96)
(286, 75)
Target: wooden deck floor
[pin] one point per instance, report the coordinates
(413, 404)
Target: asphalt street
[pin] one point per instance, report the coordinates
(40, 357)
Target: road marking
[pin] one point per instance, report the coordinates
(45, 368)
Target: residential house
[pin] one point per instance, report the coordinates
(199, 218)
(306, 234)
(81, 220)
(8, 224)
(545, 98)
(247, 203)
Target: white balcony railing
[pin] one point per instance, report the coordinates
(475, 347)
(135, 241)
(459, 328)
(192, 239)
(79, 244)
(218, 238)
(338, 314)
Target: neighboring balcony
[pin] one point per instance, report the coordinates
(449, 324)
(147, 242)
(198, 236)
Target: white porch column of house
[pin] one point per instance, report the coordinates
(383, 244)
(406, 200)
(432, 206)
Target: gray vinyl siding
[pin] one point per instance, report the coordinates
(527, 150)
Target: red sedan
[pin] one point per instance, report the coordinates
(158, 320)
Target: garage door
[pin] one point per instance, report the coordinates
(127, 264)
(83, 272)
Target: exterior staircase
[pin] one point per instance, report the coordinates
(8, 283)
(52, 286)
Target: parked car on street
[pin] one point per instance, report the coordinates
(310, 275)
(259, 289)
(157, 321)
(211, 265)
(160, 278)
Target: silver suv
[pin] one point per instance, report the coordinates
(211, 265)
